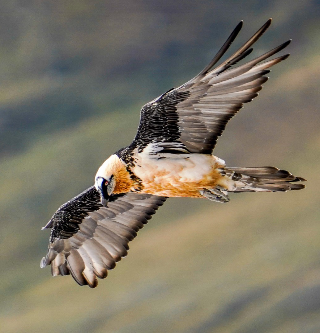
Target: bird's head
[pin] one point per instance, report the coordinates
(112, 178)
(105, 187)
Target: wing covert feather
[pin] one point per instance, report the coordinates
(87, 239)
(195, 114)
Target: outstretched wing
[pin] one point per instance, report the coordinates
(193, 116)
(87, 239)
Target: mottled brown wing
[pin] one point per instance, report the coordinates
(88, 239)
(195, 114)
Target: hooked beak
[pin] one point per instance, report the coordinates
(102, 189)
(104, 201)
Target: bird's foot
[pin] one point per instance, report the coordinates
(217, 194)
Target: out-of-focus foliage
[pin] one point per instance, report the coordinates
(74, 75)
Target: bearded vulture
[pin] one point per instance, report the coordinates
(171, 156)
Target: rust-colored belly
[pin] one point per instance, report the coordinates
(182, 176)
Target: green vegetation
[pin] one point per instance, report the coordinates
(74, 76)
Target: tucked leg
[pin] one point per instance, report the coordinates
(217, 194)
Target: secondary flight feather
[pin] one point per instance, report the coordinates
(170, 156)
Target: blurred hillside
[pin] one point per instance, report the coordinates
(74, 77)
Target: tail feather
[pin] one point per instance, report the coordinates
(260, 179)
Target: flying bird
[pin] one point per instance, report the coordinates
(170, 156)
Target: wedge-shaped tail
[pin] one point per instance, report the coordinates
(263, 179)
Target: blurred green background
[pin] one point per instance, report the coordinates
(74, 75)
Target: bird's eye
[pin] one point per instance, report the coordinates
(106, 183)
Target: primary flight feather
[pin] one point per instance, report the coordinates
(171, 156)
